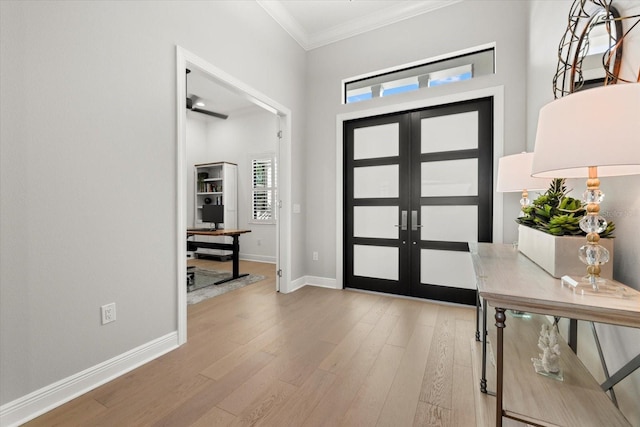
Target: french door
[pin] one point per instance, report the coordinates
(418, 188)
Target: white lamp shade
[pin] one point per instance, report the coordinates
(514, 174)
(594, 127)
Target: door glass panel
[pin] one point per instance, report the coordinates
(376, 141)
(376, 261)
(449, 223)
(376, 182)
(447, 268)
(450, 133)
(450, 178)
(375, 222)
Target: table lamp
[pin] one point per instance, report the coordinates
(514, 175)
(591, 133)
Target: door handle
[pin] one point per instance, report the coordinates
(403, 221)
(414, 221)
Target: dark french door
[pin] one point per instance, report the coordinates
(418, 188)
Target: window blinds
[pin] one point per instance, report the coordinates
(263, 189)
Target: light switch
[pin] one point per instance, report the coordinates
(296, 208)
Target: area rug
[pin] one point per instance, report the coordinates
(204, 288)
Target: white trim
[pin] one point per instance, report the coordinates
(181, 195)
(380, 18)
(321, 282)
(283, 152)
(300, 282)
(497, 92)
(283, 224)
(281, 15)
(267, 259)
(43, 400)
(425, 61)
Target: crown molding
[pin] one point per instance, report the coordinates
(372, 21)
(282, 16)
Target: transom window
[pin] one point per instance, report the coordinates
(432, 72)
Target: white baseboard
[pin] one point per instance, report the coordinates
(322, 282)
(297, 284)
(40, 401)
(257, 258)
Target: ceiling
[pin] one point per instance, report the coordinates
(312, 23)
(215, 97)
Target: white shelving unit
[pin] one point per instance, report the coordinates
(216, 183)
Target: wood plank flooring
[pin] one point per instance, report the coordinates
(315, 357)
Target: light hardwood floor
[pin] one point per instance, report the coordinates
(314, 357)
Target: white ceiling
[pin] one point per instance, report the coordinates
(315, 23)
(312, 23)
(215, 97)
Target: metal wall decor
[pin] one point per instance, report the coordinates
(584, 16)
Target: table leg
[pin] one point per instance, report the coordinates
(500, 324)
(236, 260)
(477, 316)
(573, 335)
(483, 378)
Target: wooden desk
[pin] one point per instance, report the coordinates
(234, 247)
(506, 279)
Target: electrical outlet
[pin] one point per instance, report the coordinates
(259, 242)
(315, 256)
(108, 313)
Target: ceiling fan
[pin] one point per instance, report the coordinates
(192, 104)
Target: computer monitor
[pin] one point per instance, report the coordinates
(213, 214)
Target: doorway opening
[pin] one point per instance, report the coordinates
(187, 60)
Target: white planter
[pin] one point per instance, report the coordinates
(558, 255)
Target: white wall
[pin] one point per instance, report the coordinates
(234, 140)
(88, 169)
(88, 136)
(425, 36)
(548, 21)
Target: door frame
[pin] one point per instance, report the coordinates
(497, 92)
(185, 59)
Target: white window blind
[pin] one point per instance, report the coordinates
(263, 192)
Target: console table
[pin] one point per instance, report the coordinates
(507, 279)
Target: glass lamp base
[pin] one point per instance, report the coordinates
(588, 285)
(537, 365)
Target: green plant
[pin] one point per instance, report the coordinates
(556, 213)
